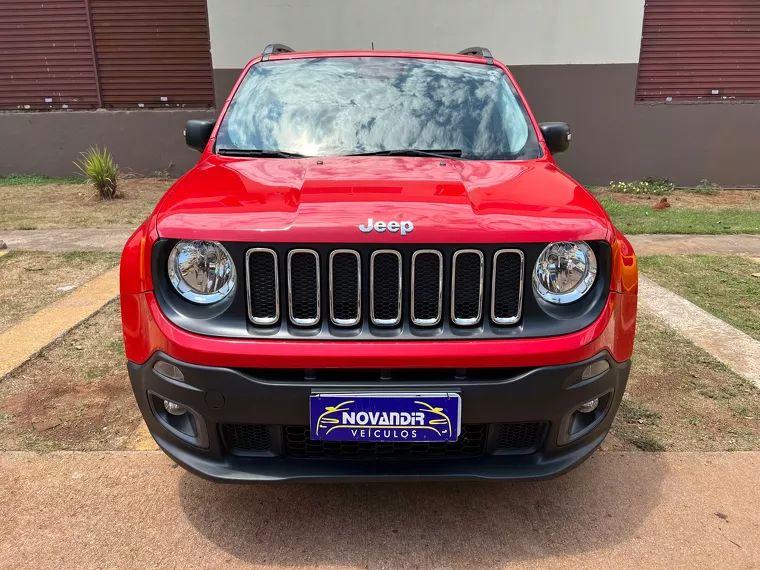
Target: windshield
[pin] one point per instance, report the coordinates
(361, 105)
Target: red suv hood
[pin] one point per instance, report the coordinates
(325, 200)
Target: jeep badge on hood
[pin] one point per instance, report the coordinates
(406, 227)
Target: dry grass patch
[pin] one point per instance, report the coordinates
(75, 395)
(31, 280)
(723, 286)
(691, 200)
(67, 205)
(680, 398)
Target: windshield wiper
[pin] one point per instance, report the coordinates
(438, 153)
(256, 153)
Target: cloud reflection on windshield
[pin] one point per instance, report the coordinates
(338, 106)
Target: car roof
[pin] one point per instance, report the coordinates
(274, 52)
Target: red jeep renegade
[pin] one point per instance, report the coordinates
(377, 271)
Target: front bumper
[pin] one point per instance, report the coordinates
(219, 396)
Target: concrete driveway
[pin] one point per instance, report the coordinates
(621, 510)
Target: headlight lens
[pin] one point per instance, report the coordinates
(565, 272)
(202, 271)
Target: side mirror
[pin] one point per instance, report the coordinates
(197, 133)
(557, 136)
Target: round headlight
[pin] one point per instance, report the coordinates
(201, 271)
(565, 272)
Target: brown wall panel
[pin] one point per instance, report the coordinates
(46, 58)
(153, 53)
(695, 50)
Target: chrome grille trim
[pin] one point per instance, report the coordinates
(428, 322)
(454, 319)
(273, 253)
(397, 319)
(347, 322)
(293, 319)
(510, 320)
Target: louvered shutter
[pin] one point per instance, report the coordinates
(700, 50)
(46, 59)
(153, 53)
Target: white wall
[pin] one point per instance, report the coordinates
(519, 32)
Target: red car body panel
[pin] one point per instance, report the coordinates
(538, 380)
(323, 201)
(306, 200)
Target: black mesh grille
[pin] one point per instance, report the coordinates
(241, 439)
(506, 293)
(485, 287)
(427, 288)
(262, 275)
(304, 287)
(467, 288)
(385, 288)
(522, 436)
(471, 443)
(345, 288)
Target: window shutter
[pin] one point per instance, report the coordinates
(700, 50)
(153, 53)
(46, 58)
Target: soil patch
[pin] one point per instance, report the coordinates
(75, 395)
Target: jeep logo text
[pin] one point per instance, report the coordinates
(405, 227)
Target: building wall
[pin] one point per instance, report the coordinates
(575, 60)
(143, 142)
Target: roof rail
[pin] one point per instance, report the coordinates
(481, 51)
(275, 49)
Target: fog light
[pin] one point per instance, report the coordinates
(586, 408)
(595, 369)
(174, 408)
(168, 370)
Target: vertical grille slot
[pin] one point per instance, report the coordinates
(467, 287)
(345, 287)
(263, 286)
(303, 287)
(507, 286)
(427, 287)
(385, 287)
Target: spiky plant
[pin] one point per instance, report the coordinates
(100, 170)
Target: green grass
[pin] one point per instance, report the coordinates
(723, 286)
(642, 219)
(38, 179)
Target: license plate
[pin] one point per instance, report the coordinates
(385, 417)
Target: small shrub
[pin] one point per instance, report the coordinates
(705, 187)
(101, 171)
(650, 185)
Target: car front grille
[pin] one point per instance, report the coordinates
(517, 438)
(414, 284)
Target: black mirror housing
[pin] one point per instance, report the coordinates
(557, 136)
(197, 133)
